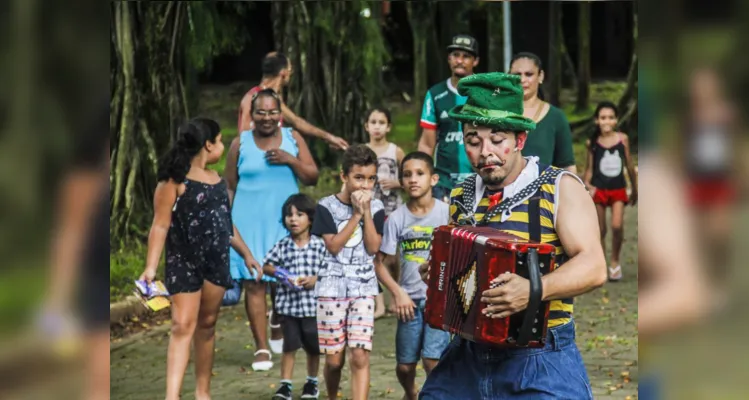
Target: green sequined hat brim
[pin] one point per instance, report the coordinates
(496, 119)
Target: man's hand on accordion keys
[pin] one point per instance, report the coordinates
(508, 295)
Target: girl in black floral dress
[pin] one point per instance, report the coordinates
(192, 218)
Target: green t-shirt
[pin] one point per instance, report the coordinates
(451, 162)
(551, 141)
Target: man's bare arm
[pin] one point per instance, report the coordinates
(428, 141)
(577, 227)
(307, 129)
(245, 119)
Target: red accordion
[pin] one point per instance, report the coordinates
(464, 260)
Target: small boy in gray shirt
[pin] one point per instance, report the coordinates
(409, 228)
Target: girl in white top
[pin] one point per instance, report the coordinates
(389, 157)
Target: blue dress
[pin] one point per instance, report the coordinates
(261, 191)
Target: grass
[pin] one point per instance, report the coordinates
(124, 267)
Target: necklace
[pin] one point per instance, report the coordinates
(539, 108)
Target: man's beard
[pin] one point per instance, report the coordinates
(489, 177)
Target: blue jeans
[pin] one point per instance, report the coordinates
(649, 387)
(232, 296)
(468, 370)
(415, 339)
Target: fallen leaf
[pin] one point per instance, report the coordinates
(247, 323)
(605, 300)
(213, 373)
(242, 369)
(135, 319)
(339, 394)
(625, 374)
(628, 398)
(629, 363)
(389, 390)
(626, 380)
(612, 388)
(611, 374)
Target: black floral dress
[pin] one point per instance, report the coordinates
(197, 245)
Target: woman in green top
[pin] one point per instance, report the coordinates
(551, 141)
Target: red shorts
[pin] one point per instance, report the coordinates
(607, 197)
(711, 192)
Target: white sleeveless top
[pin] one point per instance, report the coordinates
(387, 168)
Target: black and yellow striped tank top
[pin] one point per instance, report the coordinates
(517, 224)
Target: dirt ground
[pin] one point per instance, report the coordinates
(606, 335)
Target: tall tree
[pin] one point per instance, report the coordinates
(495, 29)
(553, 72)
(338, 53)
(155, 45)
(583, 57)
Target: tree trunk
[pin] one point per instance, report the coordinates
(569, 66)
(628, 102)
(419, 32)
(583, 58)
(495, 29)
(553, 73)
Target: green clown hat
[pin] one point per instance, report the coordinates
(495, 99)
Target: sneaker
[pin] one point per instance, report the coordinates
(284, 392)
(310, 390)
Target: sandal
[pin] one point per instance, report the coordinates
(276, 345)
(263, 365)
(615, 273)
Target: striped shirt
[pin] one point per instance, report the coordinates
(517, 224)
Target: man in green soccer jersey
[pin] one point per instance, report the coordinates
(441, 131)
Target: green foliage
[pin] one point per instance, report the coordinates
(215, 28)
(125, 266)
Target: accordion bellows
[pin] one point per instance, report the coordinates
(464, 260)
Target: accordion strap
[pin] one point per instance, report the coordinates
(467, 199)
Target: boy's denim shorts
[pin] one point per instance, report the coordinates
(415, 339)
(468, 370)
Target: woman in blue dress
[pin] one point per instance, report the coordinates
(262, 169)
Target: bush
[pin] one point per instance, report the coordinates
(125, 266)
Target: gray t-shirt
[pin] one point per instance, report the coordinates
(413, 235)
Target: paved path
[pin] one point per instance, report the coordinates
(606, 326)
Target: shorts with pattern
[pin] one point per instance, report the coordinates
(342, 320)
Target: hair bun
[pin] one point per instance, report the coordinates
(190, 137)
